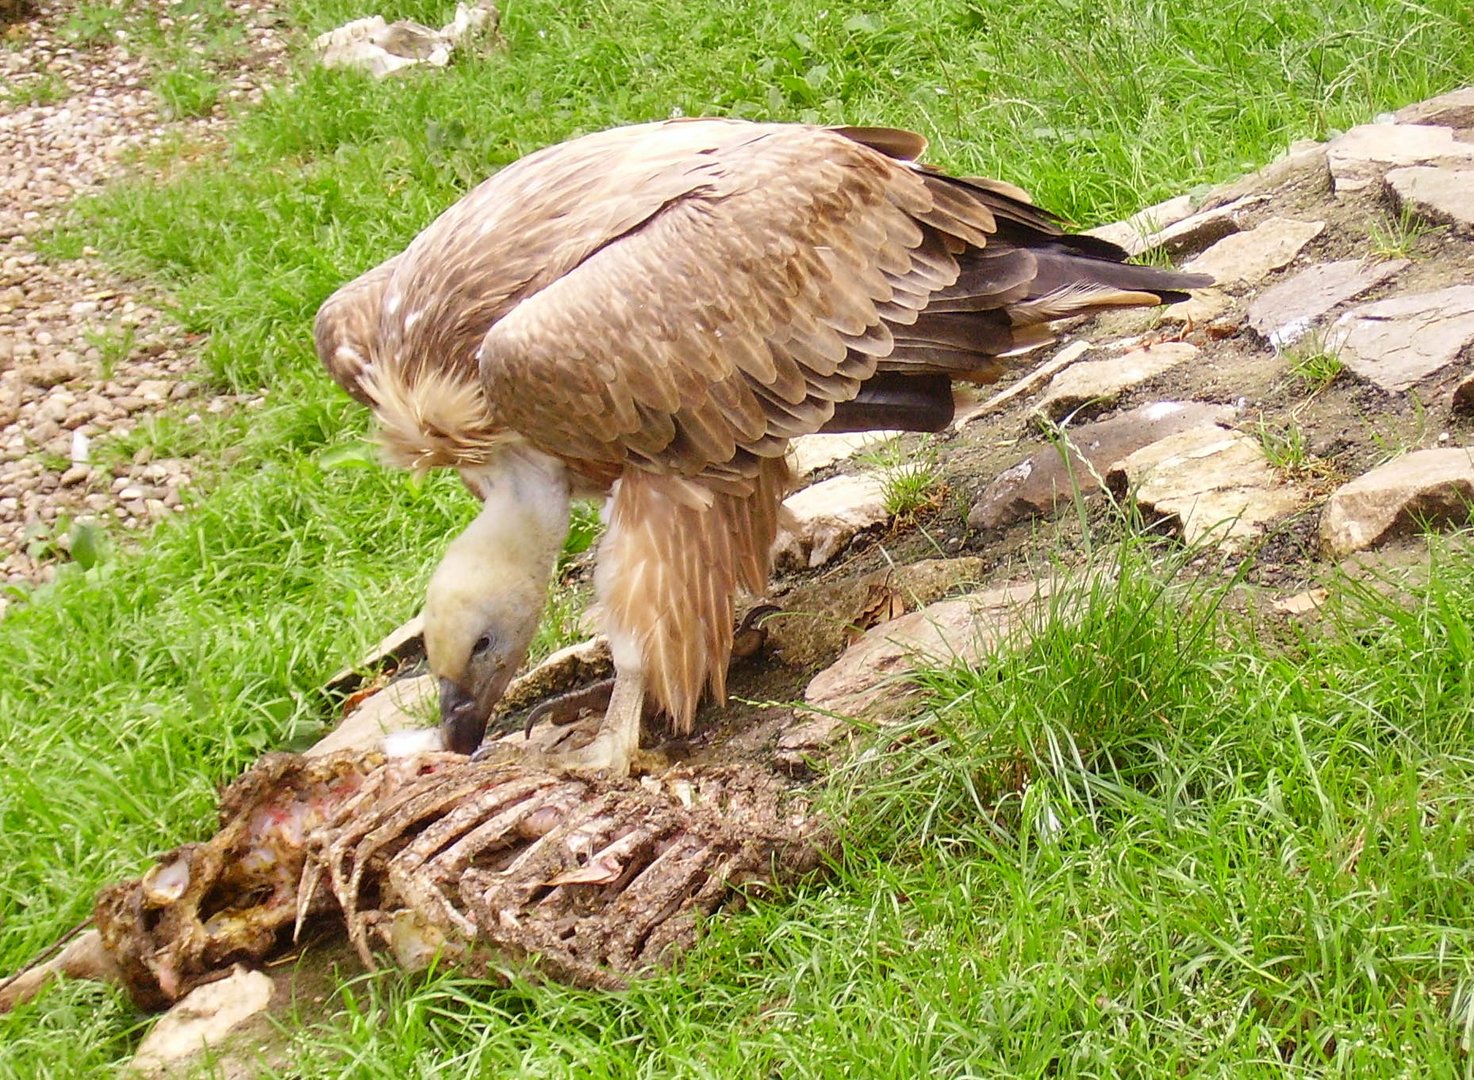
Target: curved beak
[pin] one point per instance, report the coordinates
(462, 718)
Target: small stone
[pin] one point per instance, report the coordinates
(77, 474)
(200, 1020)
(1398, 342)
(823, 518)
(1284, 312)
(153, 390)
(1423, 488)
(1208, 483)
(1463, 399)
(1441, 196)
(1101, 382)
(1244, 258)
(1302, 603)
(53, 372)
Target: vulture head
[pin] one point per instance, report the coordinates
(487, 596)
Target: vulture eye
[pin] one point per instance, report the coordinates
(483, 644)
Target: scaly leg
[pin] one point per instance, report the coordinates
(614, 751)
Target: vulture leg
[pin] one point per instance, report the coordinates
(617, 745)
(567, 708)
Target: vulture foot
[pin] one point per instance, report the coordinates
(613, 752)
(569, 708)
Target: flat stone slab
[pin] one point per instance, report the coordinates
(404, 643)
(1245, 258)
(1304, 162)
(1103, 381)
(199, 1021)
(1420, 489)
(1451, 110)
(1443, 196)
(404, 705)
(1364, 154)
(1208, 482)
(1284, 312)
(1134, 233)
(807, 454)
(1397, 342)
(868, 679)
(823, 518)
(1038, 483)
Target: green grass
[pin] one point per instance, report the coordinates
(1158, 841)
(1189, 914)
(1397, 235)
(1314, 361)
(48, 89)
(910, 475)
(1285, 447)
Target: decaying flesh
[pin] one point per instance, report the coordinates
(485, 865)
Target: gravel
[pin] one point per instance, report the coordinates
(84, 354)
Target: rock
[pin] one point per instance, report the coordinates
(405, 643)
(1397, 342)
(1463, 399)
(153, 390)
(573, 665)
(1284, 312)
(867, 680)
(200, 1020)
(1425, 487)
(1442, 196)
(1203, 229)
(53, 372)
(1207, 482)
(1453, 110)
(823, 518)
(1244, 258)
(379, 48)
(1035, 485)
(1302, 603)
(403, 705)
(808, 454)
(1364, 154)
(1303, 164)
(1133, 233)
(1103, 381)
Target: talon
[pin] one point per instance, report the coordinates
(566, 708)
(750, 635)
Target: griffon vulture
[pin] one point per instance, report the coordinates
(653, 312)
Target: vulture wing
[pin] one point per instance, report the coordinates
(346, 326)
(791, 265)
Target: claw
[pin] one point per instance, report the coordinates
(750, 635)
(567, 708)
